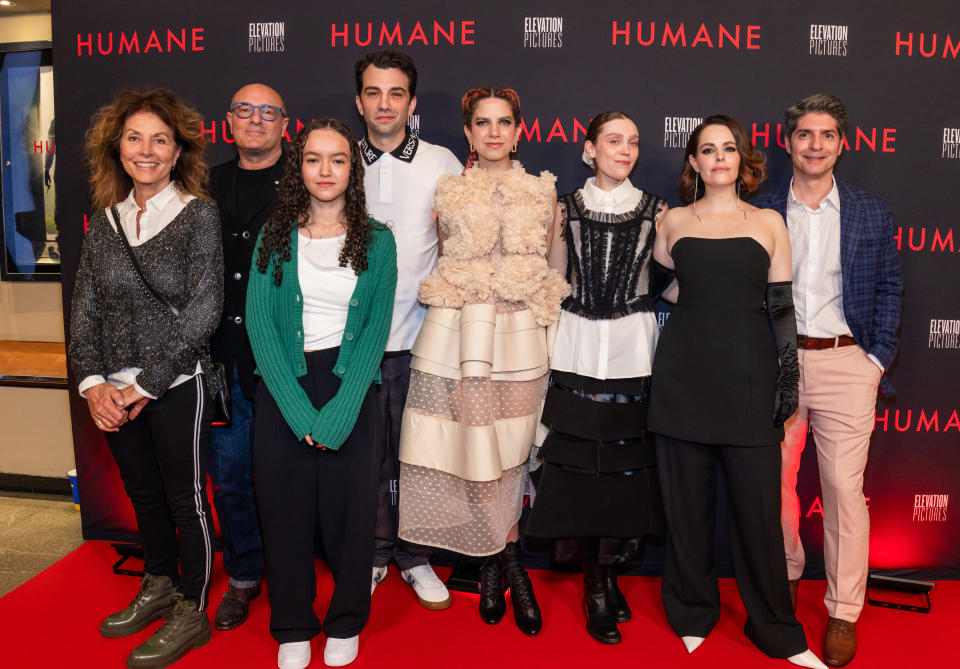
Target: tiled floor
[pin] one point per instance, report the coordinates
(35, 532)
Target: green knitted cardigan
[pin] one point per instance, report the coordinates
(275, 327)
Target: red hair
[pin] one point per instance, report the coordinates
(469, 105)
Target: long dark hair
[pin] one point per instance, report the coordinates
(293, 207)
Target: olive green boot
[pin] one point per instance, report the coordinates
(185, 628)
(153, 601)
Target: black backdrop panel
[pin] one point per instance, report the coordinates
(666, 64)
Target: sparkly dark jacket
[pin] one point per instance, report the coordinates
(116, 323)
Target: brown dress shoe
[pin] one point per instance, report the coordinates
(235, 606)
(840, 642)
(794, 584)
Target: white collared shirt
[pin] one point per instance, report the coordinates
(817, 278)
(620, 348)
(160, 210)
(400, 195)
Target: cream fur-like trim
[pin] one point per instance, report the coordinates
(480, 208)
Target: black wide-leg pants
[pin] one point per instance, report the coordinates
(162, 458)
(691, 595)
(303, 491)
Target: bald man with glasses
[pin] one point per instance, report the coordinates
(245, 189)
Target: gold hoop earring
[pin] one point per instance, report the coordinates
(471, 147)
(516, 145)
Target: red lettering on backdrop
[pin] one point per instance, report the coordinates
(417, 34)
(908, 42)
(954, 422)
(753, 34)
(395, 34)
(815, 508)
(557, 131)
(735, 39)
(438, 30)
(464, 31)
(153, 42)
(625, 32)
(942, 241)
(702, 36)
(532, 130)
(172, 39)
(132, 46)
(212, 131)
(100, 43)
(951, 49)
(196, 37)
(81, 44)
(674, 36)
(345, 34)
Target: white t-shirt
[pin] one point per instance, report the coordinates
(400, 189)
(326, 289)
(621, 348)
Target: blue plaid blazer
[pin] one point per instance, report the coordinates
(872, 281)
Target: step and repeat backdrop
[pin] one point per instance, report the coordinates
(666, 64)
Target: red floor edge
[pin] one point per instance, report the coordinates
(53, 620)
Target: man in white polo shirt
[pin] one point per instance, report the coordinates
(401, 176)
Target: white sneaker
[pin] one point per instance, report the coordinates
(379, 573)
(430, 590)
(341, 652)
(294, 655)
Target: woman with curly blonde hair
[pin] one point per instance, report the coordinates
(479, 367)
(148, 296)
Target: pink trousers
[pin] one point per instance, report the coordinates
(838, 395)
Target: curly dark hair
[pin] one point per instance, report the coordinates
(293, 207)
(109, 183)
(753, 164)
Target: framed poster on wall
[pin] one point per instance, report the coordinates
(30, 242)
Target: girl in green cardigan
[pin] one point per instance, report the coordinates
(319, 305)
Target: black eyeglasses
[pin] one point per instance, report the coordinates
(267, 112)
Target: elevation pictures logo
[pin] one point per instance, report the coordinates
(677, 130)
(828, 39)
(930, 508)
(951, 143)
(543, 32)
(944, 333)
(266, 36)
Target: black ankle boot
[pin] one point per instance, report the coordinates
(615, 599)
(525, 609)
(601, 622)
(492, 603)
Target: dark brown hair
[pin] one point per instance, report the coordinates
(472, 97)
(387, 60)
(753, 167)
(109, 183)
(818, 103)
(293, 207)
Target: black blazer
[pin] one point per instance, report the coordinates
(229, 344)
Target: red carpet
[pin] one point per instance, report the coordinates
(53, 620)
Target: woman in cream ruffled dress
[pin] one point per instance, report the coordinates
(479, 368)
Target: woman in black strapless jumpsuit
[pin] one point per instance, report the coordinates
(716, 374)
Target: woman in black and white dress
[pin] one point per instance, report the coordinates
(598, 495)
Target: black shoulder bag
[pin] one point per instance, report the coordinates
(221, 401)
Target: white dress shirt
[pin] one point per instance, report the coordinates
(620, 348)
(160, 210)
(817, 274)
(400, 195)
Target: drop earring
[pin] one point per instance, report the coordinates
(696, 191)
(516, 145)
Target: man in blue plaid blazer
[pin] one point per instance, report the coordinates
(847, 290)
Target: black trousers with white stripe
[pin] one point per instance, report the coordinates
(162, 457)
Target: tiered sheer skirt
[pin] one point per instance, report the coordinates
(468, 428)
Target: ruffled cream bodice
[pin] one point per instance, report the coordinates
(496, 225)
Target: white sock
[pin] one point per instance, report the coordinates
(807, 659)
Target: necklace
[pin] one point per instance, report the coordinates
(318, 233)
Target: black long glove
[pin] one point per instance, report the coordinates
(661, 277)
(784, 322)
